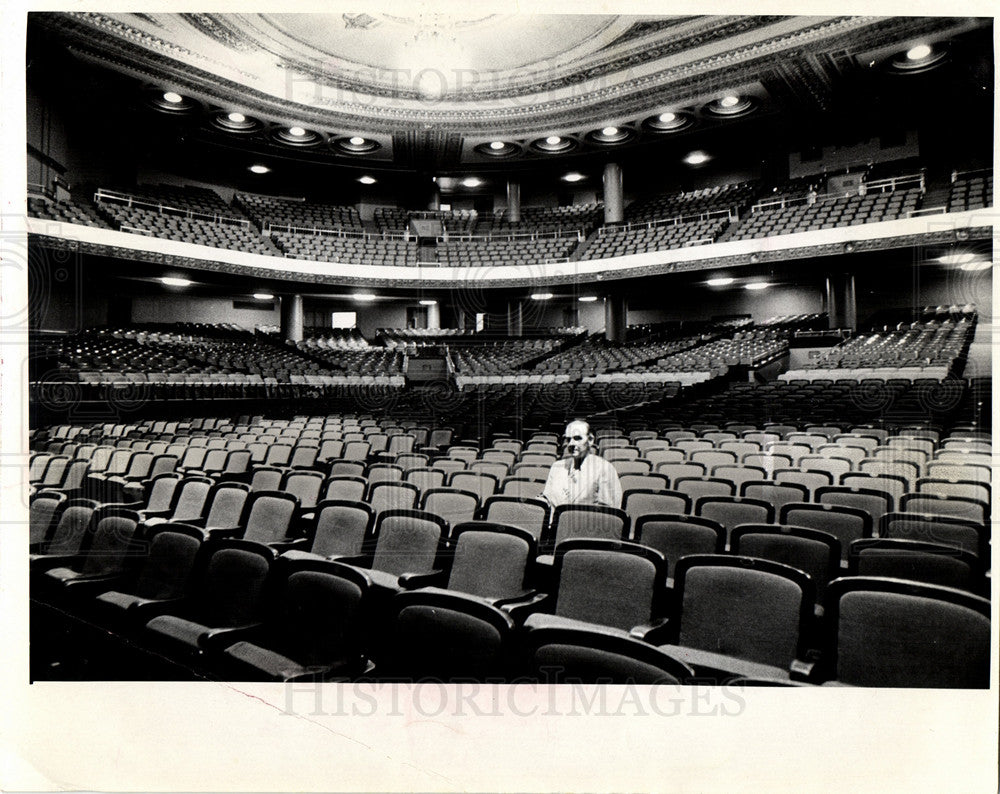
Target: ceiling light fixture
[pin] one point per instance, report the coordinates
(367, 180)
(919, 52)
(237, 118)
(363, 297)
(298, 132)
(979, 264)
(259, 169)
(959, 258)
(609, 131)
(587, 299)
(573, 176)
(472, 181)
(757, 285)
(173, 97)
(721, 281)
(263, 296)
(669, 121)
(428, 302)
(497, 145)
(542, 296)
(174, 281)
(697, 158)
(553, 140)
(731, 106)
(357, 140)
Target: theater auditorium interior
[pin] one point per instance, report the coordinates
(313, 297)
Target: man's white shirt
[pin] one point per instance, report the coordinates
(595, 482)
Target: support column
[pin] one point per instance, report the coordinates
(614, 204)
(515, 318)
(841, 301)
(615, 318)
(513, 201)
(434, 198)
(434, 316)
(291, 318)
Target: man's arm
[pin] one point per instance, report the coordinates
(609, 488)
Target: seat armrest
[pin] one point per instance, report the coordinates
(519, 610)
(412, 581)
(358, 561)
(46, 561)
(224, 532)
(281, 546)
(144, 514)
(92, 586)
(524, 596)
(656, 632)
(216, 639)
(145, 611)
(806, 670)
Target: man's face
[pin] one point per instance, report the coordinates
(577, 440)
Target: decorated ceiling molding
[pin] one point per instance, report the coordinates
(496, 74)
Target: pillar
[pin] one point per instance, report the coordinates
(434, 316)
(515, 318)
(614, 204)
(615, 318)
(434, 197)
(841, 300)
(513, 201)
(291, 318)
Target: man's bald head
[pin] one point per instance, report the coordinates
(578, 440)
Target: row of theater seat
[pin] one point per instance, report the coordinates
(425, 600)
(176, 213)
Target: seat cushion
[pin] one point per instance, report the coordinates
(268, 662)
(706, 660)
(62, 575)
(542, 620)
(186, 632)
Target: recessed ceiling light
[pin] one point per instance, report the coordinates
(173, 97)
(472, 181)
(173, 281)
(367, 180)
(979, 264)
(609, 131)
(259, 169)
(497, 145)
(959, 258)
(298, 132)
(757, 285)
(237, 118)
(587, 298)
(696, 158)
(729, 101)
(553, 140)
(363, 296)
(573, 176)
(263, 296)
(541, 296)
(428, 302)
(666, 118)
(357, 140)
(722, 281)
(919, 52)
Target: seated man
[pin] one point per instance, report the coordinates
(582, 477)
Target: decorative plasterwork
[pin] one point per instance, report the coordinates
(643, 65)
